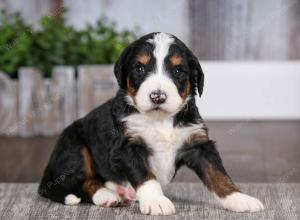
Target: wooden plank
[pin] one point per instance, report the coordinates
(30, 101)
(56, 8)
(48, 111)
(245, 30)
(13, 129)
(64, 96)
(96, 84)
(57, 102)
(8, 106)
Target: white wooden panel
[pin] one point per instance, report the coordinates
(96, 84)
(8, 106)
(251, 90)
(30, 100)
(65, 95)
(48, 113)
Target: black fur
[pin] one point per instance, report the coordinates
(197, 75)
(114, 155)
(198, 156)
(104, 139)
(127, 61)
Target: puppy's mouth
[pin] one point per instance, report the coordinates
(157, 109)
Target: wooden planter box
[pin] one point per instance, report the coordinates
(33, 105)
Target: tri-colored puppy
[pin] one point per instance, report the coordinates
(142, 136)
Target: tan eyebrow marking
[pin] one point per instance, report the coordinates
(176, 60)
(144, 58)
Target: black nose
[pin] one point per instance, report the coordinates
(158, 97)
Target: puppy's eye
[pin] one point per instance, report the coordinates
(178, 72)
(140, 69)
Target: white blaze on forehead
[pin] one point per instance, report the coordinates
(159, 79)
(161, 42)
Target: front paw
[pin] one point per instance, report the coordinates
(240, 202)
(160, 205)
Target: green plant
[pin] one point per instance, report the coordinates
(56, 43)
(15, 43)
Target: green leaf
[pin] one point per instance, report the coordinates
(57, 43)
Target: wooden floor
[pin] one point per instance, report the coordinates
(251, 152)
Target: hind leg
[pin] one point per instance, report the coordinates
(94, 189)
(70, 178)
(70, 166)
(101, 195)
(125, 191)
(110, 194)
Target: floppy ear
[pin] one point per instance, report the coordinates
(120, 67)
(198, 75)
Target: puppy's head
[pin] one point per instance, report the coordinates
(159, 74)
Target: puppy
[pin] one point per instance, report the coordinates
(142, 136)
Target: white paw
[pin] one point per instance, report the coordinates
(71, 199)
(240, 202)
(157, 206)
(106, 198)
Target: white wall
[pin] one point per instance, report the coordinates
(233, 90)
(31, 10)
(251, 90)
(150, 16)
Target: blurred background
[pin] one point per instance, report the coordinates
(56, 60)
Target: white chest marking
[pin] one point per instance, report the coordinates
(163, 139)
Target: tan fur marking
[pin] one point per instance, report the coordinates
(131, 91)
(88, 163)
(144, 58)
(219, 183)
(197, 138)
(131, 136)
(187, 90)
(176, 60)
(151, 176)
(90, 186)
(137, 140)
